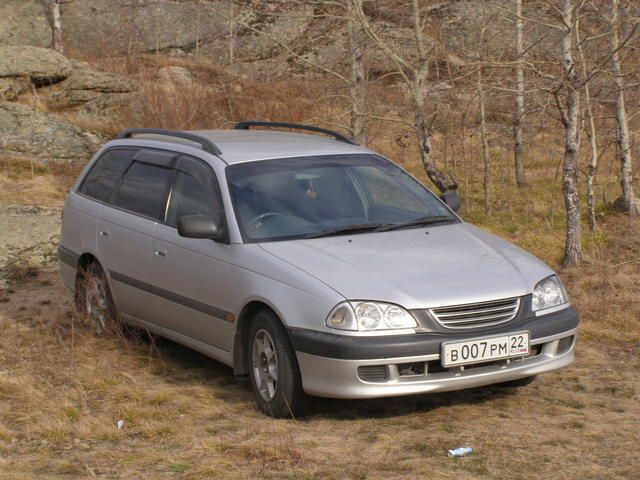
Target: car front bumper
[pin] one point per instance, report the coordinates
(340, 366)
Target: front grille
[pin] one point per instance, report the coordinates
(373, 373)
(472, 315)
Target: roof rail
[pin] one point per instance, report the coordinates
(294, 126)
(206, 144)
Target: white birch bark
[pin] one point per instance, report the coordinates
(592, 166)
(56, 26)
(518, 117)
(570, 113)
(628, 201)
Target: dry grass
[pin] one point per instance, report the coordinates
(62, 392)
(33, 183)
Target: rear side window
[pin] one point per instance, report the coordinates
(144, 189)
(105, 174)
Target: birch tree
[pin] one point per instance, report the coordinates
(569, 108)
(592, 165)
(358, 84)
(415, 78)
(55, 19)
(628, 201)
(518, 116)
(481, 25)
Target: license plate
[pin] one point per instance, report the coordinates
(485, 349)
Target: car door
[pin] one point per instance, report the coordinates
(193, 273)
(126, 226)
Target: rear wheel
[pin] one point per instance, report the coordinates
(94, 301)
(275, 376)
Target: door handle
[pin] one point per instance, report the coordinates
(104, 234)
(160, 253)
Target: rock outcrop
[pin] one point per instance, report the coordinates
(86, 84)
(42, 65)
(31, 134)
(30, 237)
(120, 26)
(24, 22)
(11, 87)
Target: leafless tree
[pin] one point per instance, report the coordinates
(358, 84)
(232, 36)
(354, 80)
(592, 133)
(569, 108)
(628, 201)
(518, 116)
(481, 24)
(55, 19)
(415, 77)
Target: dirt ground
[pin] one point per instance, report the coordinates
(63, 391)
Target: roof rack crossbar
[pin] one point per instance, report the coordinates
(295, 126)
(206, 144)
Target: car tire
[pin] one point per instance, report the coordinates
(273, 368)
(520, 382)
(94, 300)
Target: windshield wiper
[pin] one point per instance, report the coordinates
(360, 227)
(419, 222)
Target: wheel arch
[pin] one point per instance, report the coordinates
(84, 260)
(248, 312)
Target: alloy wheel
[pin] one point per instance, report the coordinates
(265, 365)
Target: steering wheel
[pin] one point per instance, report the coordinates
(263, 216)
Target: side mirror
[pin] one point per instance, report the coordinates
(198, 226)
(451, 198)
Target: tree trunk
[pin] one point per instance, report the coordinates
(232, 38)
(486, 180)
(357, 87)
(627, 202)
(56, 26)
(592, 166)
(424, 133)
(570, 119)
(519, 97)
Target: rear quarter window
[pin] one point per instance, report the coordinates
(105, 174)
(144, 189)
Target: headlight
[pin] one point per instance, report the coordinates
(548, 293)
(369, 316)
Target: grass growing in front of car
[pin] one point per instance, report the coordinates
(62, 392)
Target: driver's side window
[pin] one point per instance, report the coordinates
(191, 197)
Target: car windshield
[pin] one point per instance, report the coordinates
(310, 197)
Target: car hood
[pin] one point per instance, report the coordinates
(417, 268)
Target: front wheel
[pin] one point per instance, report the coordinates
(275, 376)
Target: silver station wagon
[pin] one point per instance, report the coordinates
(311, 264)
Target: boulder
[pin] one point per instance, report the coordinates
(119, 26)
(115, 110)
(11, 87)
(286, 27)
(174, 75)
(42, 65)
(24, 22)
(176, 28)
(86, 84)
(32, 134)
